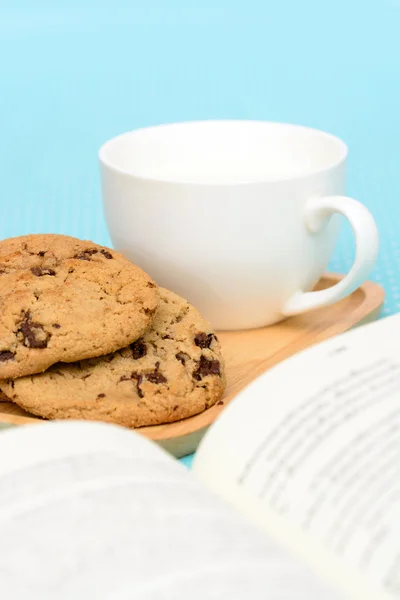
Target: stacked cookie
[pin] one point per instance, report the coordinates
(86, 334)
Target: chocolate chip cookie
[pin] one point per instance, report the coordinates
(64, 299)
(173, 371)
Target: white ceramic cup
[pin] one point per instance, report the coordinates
(239, 217)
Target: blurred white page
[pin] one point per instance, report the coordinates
(91, 511)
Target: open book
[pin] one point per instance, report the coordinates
(294, 493)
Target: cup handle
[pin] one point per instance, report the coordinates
(317, 213)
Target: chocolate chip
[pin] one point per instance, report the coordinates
(42, 253)
(150, 284)
(56, 325)
(182, 357)
(12, 384)
(219, 403)
(166, 337)
(101, 395)
(33, 333)
(155, 376)
(138, 378)
(175, 407)
(71, 270)
(206, 367)
(149, 311)
(6, 355)
(39, 272)
(106, 254)
(139, 349)
(2, 271)
(86, 254)
(203, 340)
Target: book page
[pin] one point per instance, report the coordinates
(311, 451)
(93, 511)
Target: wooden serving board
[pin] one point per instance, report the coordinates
(250, 353)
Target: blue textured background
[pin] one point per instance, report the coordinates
(76, 72)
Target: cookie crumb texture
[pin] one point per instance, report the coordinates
(175, 370)
(64, 299)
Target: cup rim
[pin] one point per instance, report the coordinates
(343, 153)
